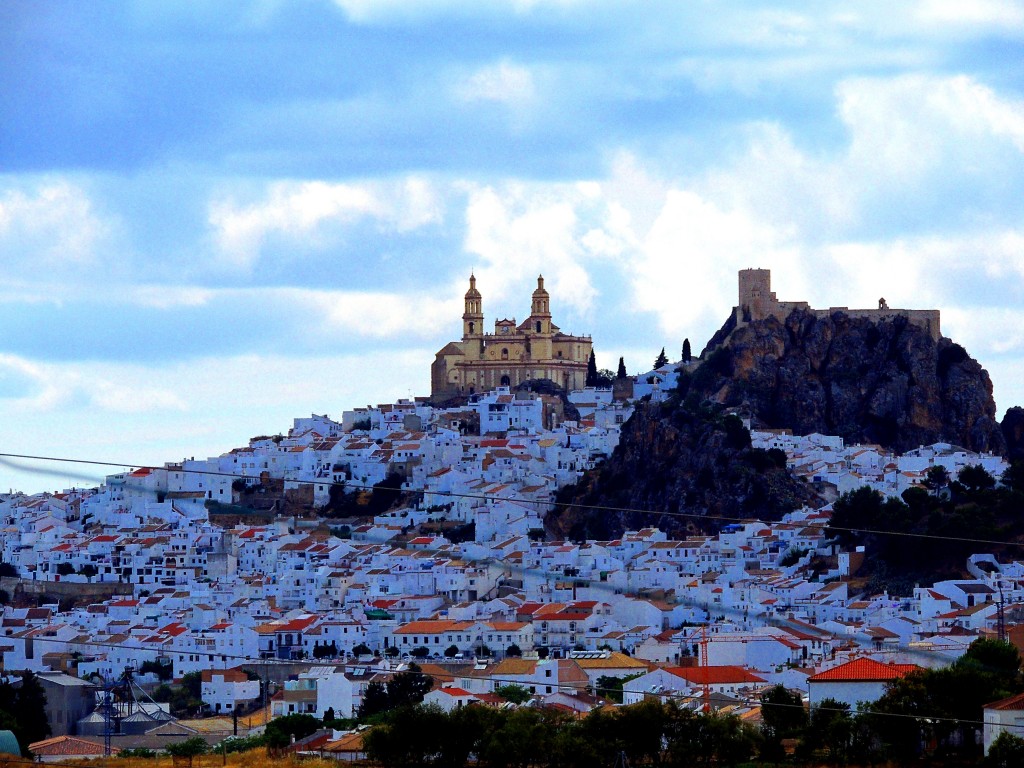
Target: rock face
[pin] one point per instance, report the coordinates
(1013, 433)
(886, 381)
(694, 470)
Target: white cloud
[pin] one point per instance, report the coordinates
(300, 209)
(1000, 14)
(503, 82)
(521, 231)
(51, 227)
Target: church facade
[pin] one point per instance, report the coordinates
(512, 354)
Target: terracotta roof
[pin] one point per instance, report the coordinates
(68, 746)
(715, 675)
(864, 669)
(1015, 702)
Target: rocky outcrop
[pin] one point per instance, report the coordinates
(1013, 432)
(878, 381)
(694, 470)
(869, 380)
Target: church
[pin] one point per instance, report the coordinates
(533, 349)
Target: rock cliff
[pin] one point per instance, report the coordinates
(870, 381)
(884, 381)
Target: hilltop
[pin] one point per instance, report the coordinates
(886, 377)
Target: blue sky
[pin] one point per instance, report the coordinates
(217, 216)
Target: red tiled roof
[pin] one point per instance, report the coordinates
(715, 675)
(863, 669)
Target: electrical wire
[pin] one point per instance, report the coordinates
(522, 502)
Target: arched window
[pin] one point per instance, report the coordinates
(472, 327)
(504, 354)
(505, 381)
(538, 326)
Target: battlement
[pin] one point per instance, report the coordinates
(757, 301)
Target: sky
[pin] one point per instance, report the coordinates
(217, 217)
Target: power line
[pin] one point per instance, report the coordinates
(824, 527)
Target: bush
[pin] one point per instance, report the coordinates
(188, 748)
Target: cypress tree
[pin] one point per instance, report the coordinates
(592, 370)
(687, 355)
(621, 374)
(661, 359)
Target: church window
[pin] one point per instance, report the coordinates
(504, 354)
(538, 326)
(505, 381)
(472, 328)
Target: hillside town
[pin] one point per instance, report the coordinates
(298, 613)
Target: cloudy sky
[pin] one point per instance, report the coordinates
(215, 217)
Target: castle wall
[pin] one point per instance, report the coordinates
(758, 302)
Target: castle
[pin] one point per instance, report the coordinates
(534, 349)
(757, 301)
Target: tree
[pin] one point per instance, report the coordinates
(513, 651)
(361, 650)
(621, 373)
(420, 652)
(936, 478)
(325, 651)
(687, 355)
(661, 359)
(189, 747)
(1007, 751)
(592, 370)
(8, 570)
(451, 651)
(88, 570)
(65, 569)
(163, 672)
(279, 732)
(517, 694)
(783, 716)
(974, 478)
(609, 687)
(30, 711)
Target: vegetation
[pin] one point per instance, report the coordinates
(8, 570)
(687, 354)
(957, 510)
(661, 359)
(23, 710)
(621, 372)
(185, 698)
(650, 733)
(404, 689)
(281, 730)
(517, 694)
(192, 747)
(162, 671)
(362, 502)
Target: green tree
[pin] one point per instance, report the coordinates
(451, 651)
(280, 731)
(783, 716)
(609, 687)
(65, 569)
(592, 370)
(361, 650)
(1007, 751)
(325, 651)
(192, 747)
(88, 570)
(420, 652)
(975, 478)
(831, 729)
(8, 570)
(30, 711)
(513, 651)
(517, 694)
(687, 355)
(621, 373)
(661, 359)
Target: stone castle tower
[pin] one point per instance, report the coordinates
(512, 354)
(757, 301)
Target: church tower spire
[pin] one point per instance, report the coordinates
(473, 316)
(540, 309)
